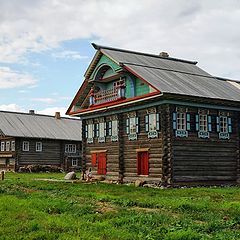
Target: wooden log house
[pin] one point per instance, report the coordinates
(34, 139)
(158, 119)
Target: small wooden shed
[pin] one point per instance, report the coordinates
(34, 139)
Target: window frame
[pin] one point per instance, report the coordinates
(75, 165)
(2, 146)
(223, 124)
(203, 127)
(70, 148)
(13, 144)
(181, 121)
(38, 144)
(25, 146)
(7, 146)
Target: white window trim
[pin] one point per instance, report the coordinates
(7, 146)
(183, 125)
(70, 148)
(203, 118)
(2, 146)
(132, 125)
(76, 164)
(223, 124)
(25, 146)
(13, 146)
(38, 146)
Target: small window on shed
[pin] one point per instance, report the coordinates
(25, 146)
(38, 146)
(13, 145)
(7, 146)
(74, 162)
(2, 146)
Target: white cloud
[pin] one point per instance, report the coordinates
(13, 79)
(11, 107)
(68, 55)
(203, 30)
(44, 100)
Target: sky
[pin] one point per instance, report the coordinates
(45, 45)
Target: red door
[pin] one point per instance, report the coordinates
(94, 159)
(142, 163)
(102, 163)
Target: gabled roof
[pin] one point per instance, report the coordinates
(176, 76)
(17, 124)
(168, 75)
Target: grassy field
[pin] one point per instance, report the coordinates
(31, 209)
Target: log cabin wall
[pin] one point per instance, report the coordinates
(110, 148)
(131, 148)
(206, 160)
(122, 155)
(50, 154)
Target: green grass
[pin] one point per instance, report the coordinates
(31, 209)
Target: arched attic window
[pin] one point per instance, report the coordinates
(104, 71)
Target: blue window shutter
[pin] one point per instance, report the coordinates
(188, 122)
(217, 124)
(209, 123)
(158, 121)
(229, 125)
(110, 128)
(127, 126)
(147, 123)
(105, 129)
(197, 122)
(174, 120)
(137, 125)
(97, 130)
(86, 131)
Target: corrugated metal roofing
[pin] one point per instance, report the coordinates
(175, 76)
(39, 126)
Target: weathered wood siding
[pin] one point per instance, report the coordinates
(130, 152)
(53, 152)
(211, 160)
(122, 155)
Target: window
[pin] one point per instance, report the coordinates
(25, 146)
(38, 146)
(132, 127)
(181, 121)
(118, 83)
(101, 131)
(70, 148)
(74, 162)
(113, 130)
(90, 132)
(8, 146)
(13, 145)
(223, 124)
(2, 146)
(152, 124)
(203, 124)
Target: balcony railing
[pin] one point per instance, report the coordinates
(106, 95)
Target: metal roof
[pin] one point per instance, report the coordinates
(176, 76)
(39, 126)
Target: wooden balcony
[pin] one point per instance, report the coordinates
(106, 96)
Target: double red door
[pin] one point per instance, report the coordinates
(142, 163)
(100, 160)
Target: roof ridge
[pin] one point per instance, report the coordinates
(98, 47)
(227, 79)
(36, 114)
